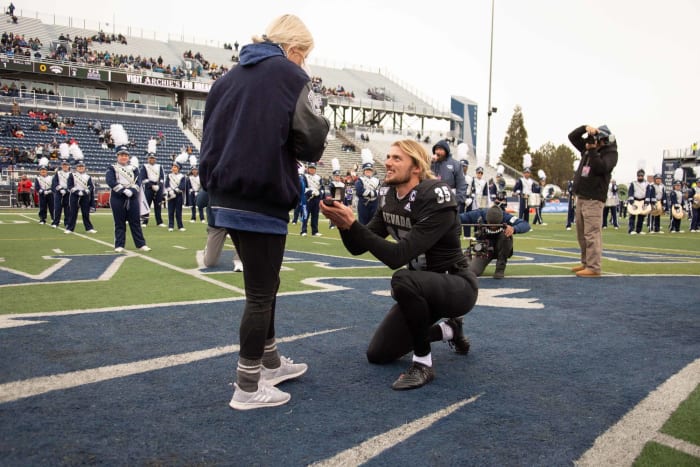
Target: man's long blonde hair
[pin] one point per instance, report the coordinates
(420, 156)
(288, 31)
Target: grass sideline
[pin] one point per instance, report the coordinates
(169, 273)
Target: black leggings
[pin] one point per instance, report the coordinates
(422, 299)
(261, 255)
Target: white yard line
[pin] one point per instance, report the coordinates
(624, 441)
(371, 448)
(16, 390)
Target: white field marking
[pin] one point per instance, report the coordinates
(371, 448)
(624, 441)
(677, 444)
(45, 273)
(58, 251)
(323, 264)
(10, 392)
(25, 319)
(493, 298)
(180, 247)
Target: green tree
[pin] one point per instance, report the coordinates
(556, 161)
(515, 143)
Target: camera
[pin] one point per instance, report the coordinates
(593, 139)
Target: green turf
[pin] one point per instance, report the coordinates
(658, 455)
(685, 422)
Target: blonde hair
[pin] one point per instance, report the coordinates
(420, 156)
(288, 31)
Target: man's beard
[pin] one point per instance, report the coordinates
(396, 180)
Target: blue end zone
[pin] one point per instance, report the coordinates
(555, 365)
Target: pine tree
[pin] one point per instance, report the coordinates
(515, 143)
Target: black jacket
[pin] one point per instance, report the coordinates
(600, 164)
(260, 118)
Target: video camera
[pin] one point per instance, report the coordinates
(480, 246)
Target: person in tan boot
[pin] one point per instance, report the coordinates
(598, 149)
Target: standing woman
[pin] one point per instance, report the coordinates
(175, 188)
(260, 119)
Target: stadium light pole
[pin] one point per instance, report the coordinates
(491, 109)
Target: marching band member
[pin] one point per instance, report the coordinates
(153, 178)
(337, 188)
(61, 197)
(657, 192)
(123, 180)
(193, 188)
(638, 193)
(42, 186)
(366, 188)
(538, 201)
(677, 212)
(480, 190)
(694, 198)
(523, 189)
(175, 186)
(313, 198)
(468, 204)
(610, 208)
(81, 191)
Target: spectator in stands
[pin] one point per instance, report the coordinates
(24, 191)
(254, 213)
(15, 108)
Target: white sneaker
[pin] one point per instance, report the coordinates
(119, 249)
(287, 370)
(303, 234)
(92, 231)
(203, 221)
(568, 228)
(265, 396)
(145, 248)
(53, 226)
(192, 221)
(182, 229)
(68, 232)
(237, 266)
(633, 233)
(161, 225)
(170, 230)
(318, 234)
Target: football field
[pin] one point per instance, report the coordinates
(129, 359)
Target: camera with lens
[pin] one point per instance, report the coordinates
(593, 139)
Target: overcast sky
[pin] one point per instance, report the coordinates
(632, 65)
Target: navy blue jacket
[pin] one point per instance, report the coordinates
(260, 118)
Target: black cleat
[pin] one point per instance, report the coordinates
(459, 343)
(416, 376)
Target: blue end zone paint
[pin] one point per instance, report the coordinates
(226, 261)
(551, 379)
(79, 268)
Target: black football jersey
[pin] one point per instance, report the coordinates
(424, 224)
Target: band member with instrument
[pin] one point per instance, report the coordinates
(314, 194)
(657, 190)
(480, 190)
(694, 197)
(153, 178)
(175, 187)
(494, 230)
(523, 190)
(42, 186)
(61, 196)
(193, 188)
(366, 189)
(82, 191)
(638, 203)
(610, 208)
(677, 211)
(123, 180)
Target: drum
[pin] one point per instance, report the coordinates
(637, 208)
(658, 209)
(534, 200)
(677, 211)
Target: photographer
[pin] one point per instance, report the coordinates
(494, 230)
(598, 159)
